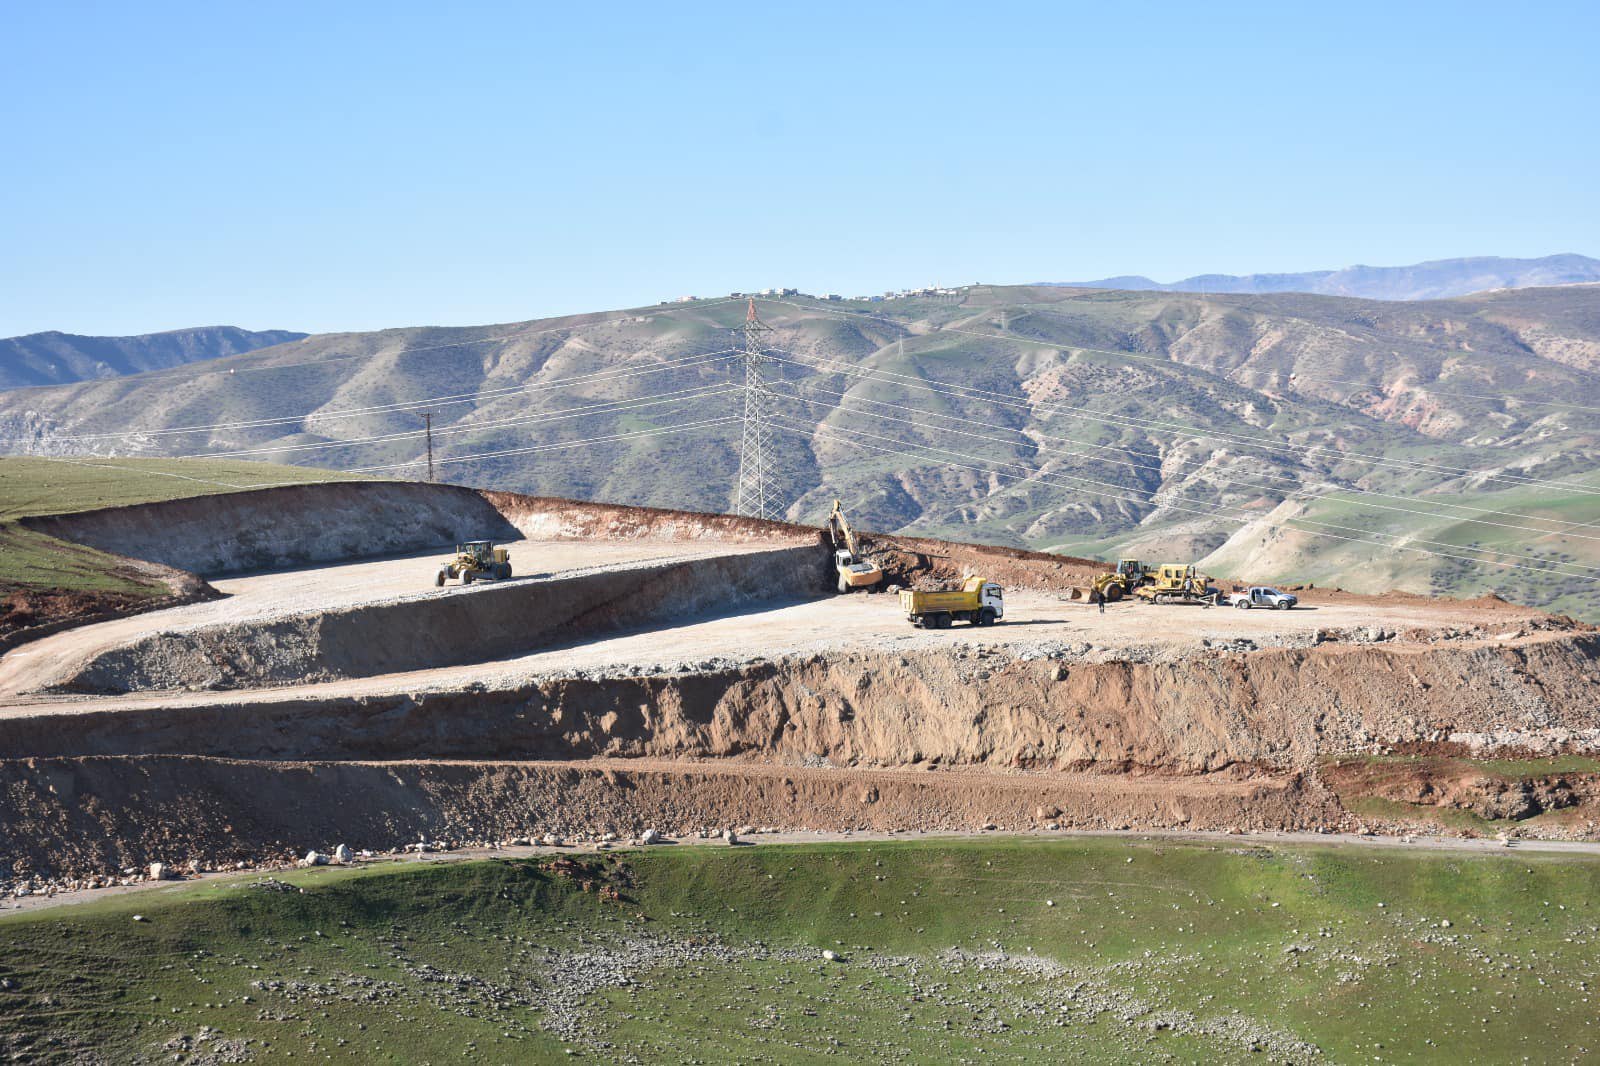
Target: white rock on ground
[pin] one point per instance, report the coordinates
(650, 836)
(160, 871)
(551, 840)
(730, 837)
(314, 858)
(342, 854)
(830, 955)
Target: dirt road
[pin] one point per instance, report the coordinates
(260, 598)
(828, 626)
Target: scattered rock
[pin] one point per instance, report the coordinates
(160, 871)
(650, 836)
(342, 854)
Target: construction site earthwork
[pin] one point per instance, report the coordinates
(696, 772)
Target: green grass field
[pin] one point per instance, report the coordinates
(1093, 950)
(34, 487)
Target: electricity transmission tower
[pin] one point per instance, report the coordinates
(756, 495)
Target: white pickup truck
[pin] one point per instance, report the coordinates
(1262, 596)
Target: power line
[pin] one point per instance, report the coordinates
(941, 456)
(1174, 363)
(1240, 440)
(1301, 493)
(400, 406)
(599, 407)
(1153, 501)
(705, 424)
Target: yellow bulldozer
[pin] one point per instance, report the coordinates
(1178, 583)
(476, 560)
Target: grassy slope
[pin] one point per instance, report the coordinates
(1153, 951)
(30, 487)
(1567, 560)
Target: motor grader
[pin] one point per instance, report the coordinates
(476, 560)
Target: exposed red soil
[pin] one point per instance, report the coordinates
(26, 608)
(87, 817)
(1460, 784)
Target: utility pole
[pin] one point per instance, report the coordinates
(427, 421)
(756, 496)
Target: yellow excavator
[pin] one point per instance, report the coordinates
(854, 572)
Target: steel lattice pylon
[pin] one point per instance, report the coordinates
(756, 493)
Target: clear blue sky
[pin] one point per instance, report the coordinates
(326, 167)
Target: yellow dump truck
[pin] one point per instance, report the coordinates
(980, 602)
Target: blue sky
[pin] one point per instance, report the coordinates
(278, 165)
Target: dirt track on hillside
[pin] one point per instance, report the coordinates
(723, 696)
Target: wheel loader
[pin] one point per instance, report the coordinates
(476, 560)
(1129, 575)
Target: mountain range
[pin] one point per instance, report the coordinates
(57, 358)
(1438, 279)
(1444, 446)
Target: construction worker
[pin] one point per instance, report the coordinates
(1096, 596)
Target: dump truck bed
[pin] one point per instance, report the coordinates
(927, 602)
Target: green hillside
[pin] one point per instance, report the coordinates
(1075, 950)
(1162, 424)
(43, 579)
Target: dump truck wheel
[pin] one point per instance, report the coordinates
(941, 621)
(986, 616)
(438, 579)
(506, 571)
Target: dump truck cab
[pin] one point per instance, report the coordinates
(476, 560)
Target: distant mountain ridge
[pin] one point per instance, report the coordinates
(55, 358)
(1435, 280)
